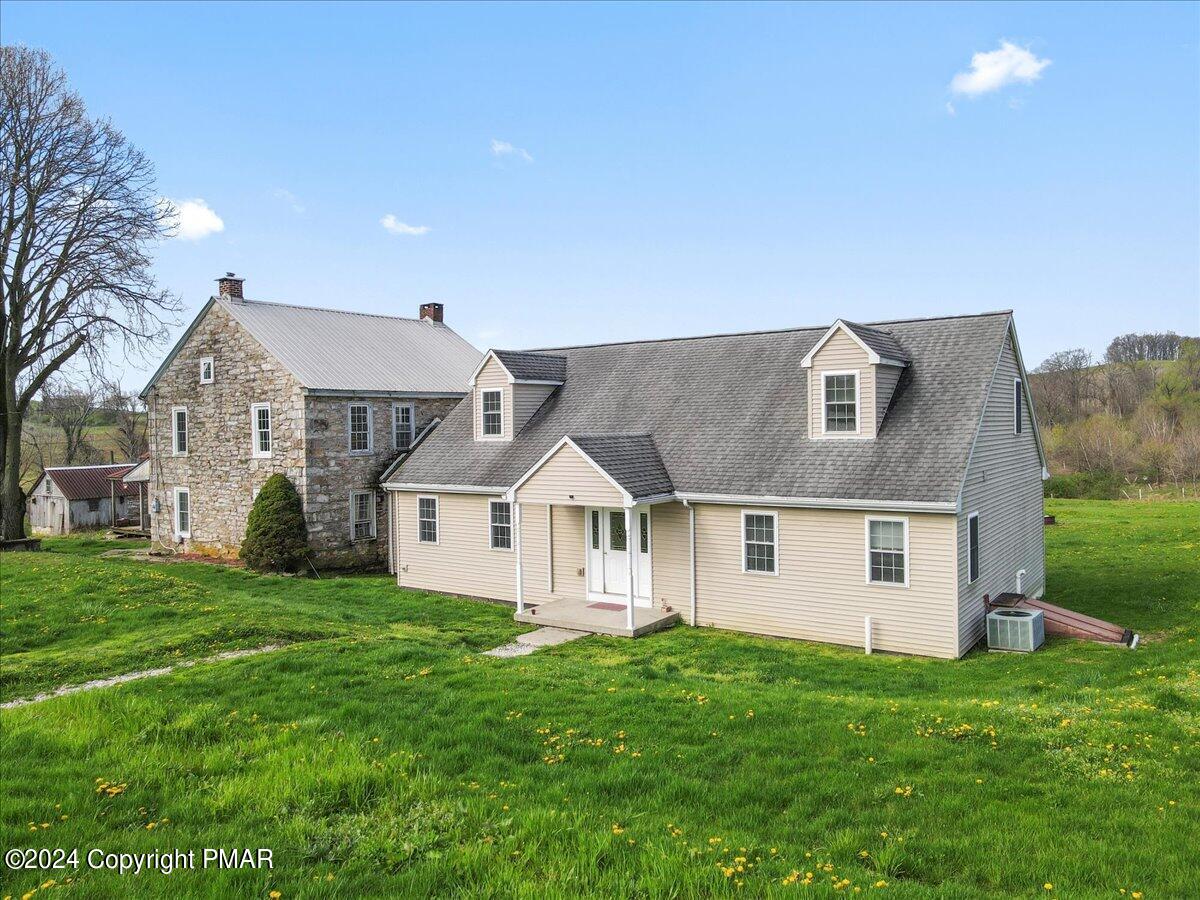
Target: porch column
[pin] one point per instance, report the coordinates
(516, 517)
(629, 551)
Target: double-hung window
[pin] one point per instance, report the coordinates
(183, 512)
(360, 427)
(887, 551)
(260, 429)
(1018, 403)
(839, 397)
(492, 406)
(362, 515)
(402, 426)
(500, 525)
(179, 431)
(427, 520)
(760, 542)
(972, 547)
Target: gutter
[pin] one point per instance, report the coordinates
(820, 502)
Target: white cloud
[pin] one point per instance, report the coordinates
(395, 226)
(996, 69)
(504, 148)
(192, 220)
(950, 110)
(290, 199)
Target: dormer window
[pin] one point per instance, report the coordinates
(839, 398)
(492, 405)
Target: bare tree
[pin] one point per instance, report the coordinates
(69, 408)
(1127, 348)
(129, 416)
(1063, 386)
(78, 217)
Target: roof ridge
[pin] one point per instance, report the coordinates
(345, 312)
(87, 466)
(725, 334)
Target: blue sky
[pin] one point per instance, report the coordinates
(570, 174)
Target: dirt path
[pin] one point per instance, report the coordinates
(137, 676)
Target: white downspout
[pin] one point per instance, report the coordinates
(517, 530)
(867, 646)
(692, 553)
(1020, 578)
(629, 558)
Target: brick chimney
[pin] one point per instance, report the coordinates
(432, 311)
(229, 285)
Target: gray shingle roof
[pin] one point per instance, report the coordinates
(631, 460)
(525, 366)
(882, 342)
(728, 415)
(339, 350)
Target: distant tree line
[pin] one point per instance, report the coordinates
(1135, 414)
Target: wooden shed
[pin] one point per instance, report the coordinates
(70, 498)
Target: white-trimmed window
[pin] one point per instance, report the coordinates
(887, 551)
(260, 429)
(491, 404)
(359, 427)
(362, 515)
(402, 425)
(206, 370)
(500, 525)
(183, 512)
(427, 520)
(839, 402)
(972, 547)
(179, 431)
(760, 542)
(1018, 404)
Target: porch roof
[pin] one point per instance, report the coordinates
(631, 460)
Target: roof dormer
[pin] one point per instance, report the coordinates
(508, 387)
(854, 370)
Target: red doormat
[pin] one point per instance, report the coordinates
(615, 607)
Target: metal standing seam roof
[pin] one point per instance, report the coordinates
(89, 482)
(351, 352)
(728, 414)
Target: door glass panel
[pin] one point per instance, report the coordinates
(616, 531)
(595, 529)
(645, 536)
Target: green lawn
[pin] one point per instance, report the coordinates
(381, 754)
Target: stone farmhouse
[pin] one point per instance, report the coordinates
(864, 485)
(327, 397)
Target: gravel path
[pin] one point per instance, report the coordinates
(136, 676)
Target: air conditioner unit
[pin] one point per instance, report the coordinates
(1015, 629)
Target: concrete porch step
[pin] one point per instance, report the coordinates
(579, 615)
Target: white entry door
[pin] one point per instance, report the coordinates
(608, 548)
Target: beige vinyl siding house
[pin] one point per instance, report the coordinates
(637, 492)
(1003, 487)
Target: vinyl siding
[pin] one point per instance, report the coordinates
(841, 353)
(821, 593)
(566, 477)
(670, 557)
(462, 562)
(885, 378)
(528, 399)
(1004, 485)
(493, 377)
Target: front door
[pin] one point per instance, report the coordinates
(608, 548)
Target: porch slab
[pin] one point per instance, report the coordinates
(580, 615)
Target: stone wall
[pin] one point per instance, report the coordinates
(333, 472)
(221, 474)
